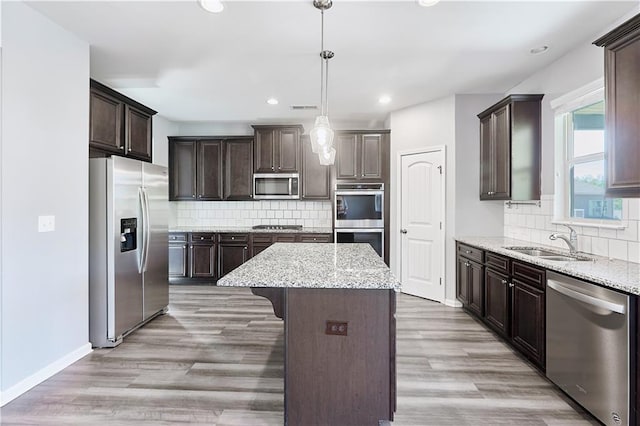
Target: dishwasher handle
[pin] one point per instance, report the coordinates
(585, 298)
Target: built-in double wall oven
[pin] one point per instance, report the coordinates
(359, 214)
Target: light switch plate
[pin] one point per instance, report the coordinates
(46, 223)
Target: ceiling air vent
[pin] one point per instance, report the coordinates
(303, 107)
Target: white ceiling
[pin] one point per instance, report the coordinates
(191, 65)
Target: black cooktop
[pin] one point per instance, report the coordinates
(292, 227)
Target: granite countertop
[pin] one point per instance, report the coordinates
(612, 273)
(248, 229)
(314, 265)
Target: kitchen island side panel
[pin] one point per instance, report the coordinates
(339, 379)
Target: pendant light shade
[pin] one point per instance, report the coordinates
(327, 156)
(321, 135)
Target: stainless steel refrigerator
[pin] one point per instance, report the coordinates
(128, 247)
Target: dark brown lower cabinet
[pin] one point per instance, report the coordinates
(508, 295)
(178, 256)
(178, 260)
(233, 252)
(462, 281)
(528, 321)
(497, 301)
(476, 288)
(470, 285)
(315, 238)
(203, 257)
(203, 260)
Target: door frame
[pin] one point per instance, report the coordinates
(443, 187)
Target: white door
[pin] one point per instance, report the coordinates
(421, 227)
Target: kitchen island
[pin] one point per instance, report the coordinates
(338, 304)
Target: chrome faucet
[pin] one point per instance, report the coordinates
(572, 240)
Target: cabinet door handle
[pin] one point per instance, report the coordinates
(273, 168)
(202, 238)
(193, 196)
(504, 281)
(467, 264)
(184, 247)
(511, 285)
(233, 238)
(403, 231)
(468, 251)
(130, 149)
(121, 147)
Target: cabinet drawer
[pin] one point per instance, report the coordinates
(177, 237)
(262, 238)
(284, 238)
(471, 252)
(314, 238)
(203, 237)
(529, 274)
(497, 262)
(234, 238)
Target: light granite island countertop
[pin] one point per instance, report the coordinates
(314, 265)
(338, 304)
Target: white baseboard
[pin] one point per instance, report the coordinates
(40, 376)
(453, 303)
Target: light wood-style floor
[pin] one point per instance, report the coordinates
(217, 359)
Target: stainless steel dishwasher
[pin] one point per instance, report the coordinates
(588, 338)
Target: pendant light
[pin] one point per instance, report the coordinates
(322, 135)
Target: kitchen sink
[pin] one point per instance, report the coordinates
(547, 254)
(532, 251)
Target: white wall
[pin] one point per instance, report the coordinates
(162, 128)
(452, 122)
(472, 216)
(579, 67)
(421, 126)
(44, 169)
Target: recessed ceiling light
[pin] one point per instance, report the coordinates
(213, 6)
(539, 50)
(384, 99)
(272, 101)
(427, 3)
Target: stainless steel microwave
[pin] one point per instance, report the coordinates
(276, 186)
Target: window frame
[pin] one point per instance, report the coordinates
(564, 159)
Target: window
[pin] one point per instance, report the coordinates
(584, 147)
(580, 163)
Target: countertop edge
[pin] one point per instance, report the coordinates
(573, 269)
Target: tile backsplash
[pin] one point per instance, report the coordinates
(311, 214)
(533, 223)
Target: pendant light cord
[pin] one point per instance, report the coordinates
(321, 62)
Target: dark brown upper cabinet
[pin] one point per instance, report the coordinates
(622, 119)
(315, 176)
(118, 124)
(362, 155)
(510, 149)
(210, 168)
(182, 169)
(238, 169)
(277, 148)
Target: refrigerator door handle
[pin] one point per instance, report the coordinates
(143, 238)
(147, 229)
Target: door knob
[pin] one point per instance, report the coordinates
(403, 231)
